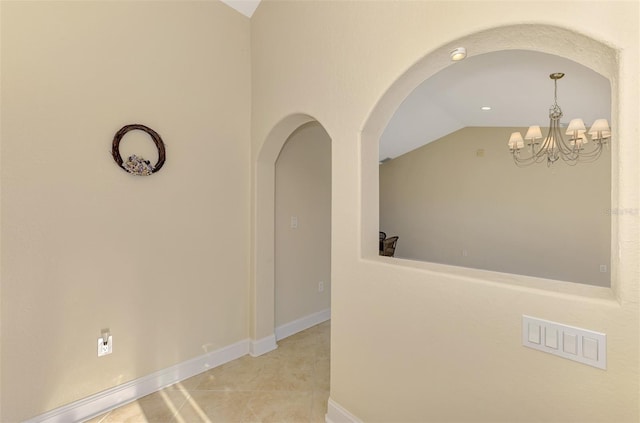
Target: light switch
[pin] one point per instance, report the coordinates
(534, 333)
(590, 348)
(551, 337)
(294, 222)
(570, 343)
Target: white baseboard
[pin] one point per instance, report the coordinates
(119, 395)
(102, 402)
(338, 414)
(303, 323)
(263, 346)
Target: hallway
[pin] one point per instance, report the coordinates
(290, 384)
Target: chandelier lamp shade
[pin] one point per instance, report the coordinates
(581, 146)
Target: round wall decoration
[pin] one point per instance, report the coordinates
(134, 164)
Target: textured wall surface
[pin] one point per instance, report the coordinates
(160, 260)
(425, 342)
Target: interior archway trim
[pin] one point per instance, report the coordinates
(589, 52)
(262, 317)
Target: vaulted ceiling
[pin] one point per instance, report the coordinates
(514, 83)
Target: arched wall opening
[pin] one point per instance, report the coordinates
(262, 307)
(303, 231)
(541, 38)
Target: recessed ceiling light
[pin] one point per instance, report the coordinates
(458, 54)
(485, 108)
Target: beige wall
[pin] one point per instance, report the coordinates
(450, 204)
(303, 254)
(410, 342)
(427, 342)
(162, 260)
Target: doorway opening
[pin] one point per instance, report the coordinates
(263, 324)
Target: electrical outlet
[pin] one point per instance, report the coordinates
(320, 286)
(603, 268)
(105, 349)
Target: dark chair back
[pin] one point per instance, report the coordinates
(389, 246)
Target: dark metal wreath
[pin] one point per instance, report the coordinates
(134, 164)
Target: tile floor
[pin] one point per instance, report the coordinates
(290, 384)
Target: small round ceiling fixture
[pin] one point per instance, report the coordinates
(485, 108)
(458, 54)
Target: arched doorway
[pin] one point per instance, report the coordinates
(303, 231)
(262, 308)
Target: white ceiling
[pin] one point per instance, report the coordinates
(246, 7)
(514, 83)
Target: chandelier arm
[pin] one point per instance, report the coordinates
(554, 146)
(523, 162)
(526, 161)
(567, 151)
(592, 155)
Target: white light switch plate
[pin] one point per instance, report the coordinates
(577, 344)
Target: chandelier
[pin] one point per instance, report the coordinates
(577, 149)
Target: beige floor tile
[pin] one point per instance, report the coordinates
(284, 358)
(213, 407)
(299, 349)
(319, 406)
(321, 375)
(158, 407)
(323, 354)
(243, 374)
(281, 407)
(288, 379)
(308, 336)
(289, 384)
